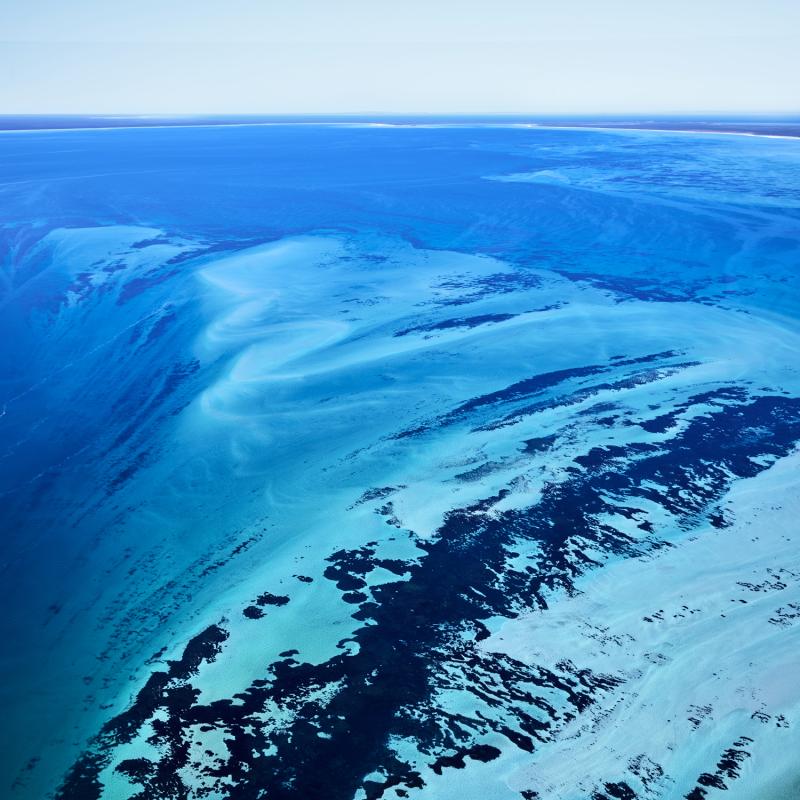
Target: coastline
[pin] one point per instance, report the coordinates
(772, 129)
(643, 128)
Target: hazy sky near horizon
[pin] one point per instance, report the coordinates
(262, 56)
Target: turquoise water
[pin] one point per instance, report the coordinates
(310, 433)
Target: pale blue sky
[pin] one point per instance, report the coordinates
(262, 56)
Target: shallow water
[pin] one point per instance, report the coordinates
(380, 462)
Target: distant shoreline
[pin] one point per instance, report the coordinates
(712, 131)
(775, 128)
(771, 130)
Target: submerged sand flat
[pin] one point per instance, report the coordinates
(387, 462)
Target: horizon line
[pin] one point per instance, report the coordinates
(766, 115)
(754, 128)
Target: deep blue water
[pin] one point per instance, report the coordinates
(312, 436)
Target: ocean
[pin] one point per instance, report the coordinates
(377, 460)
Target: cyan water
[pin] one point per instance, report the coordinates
(378, 461)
